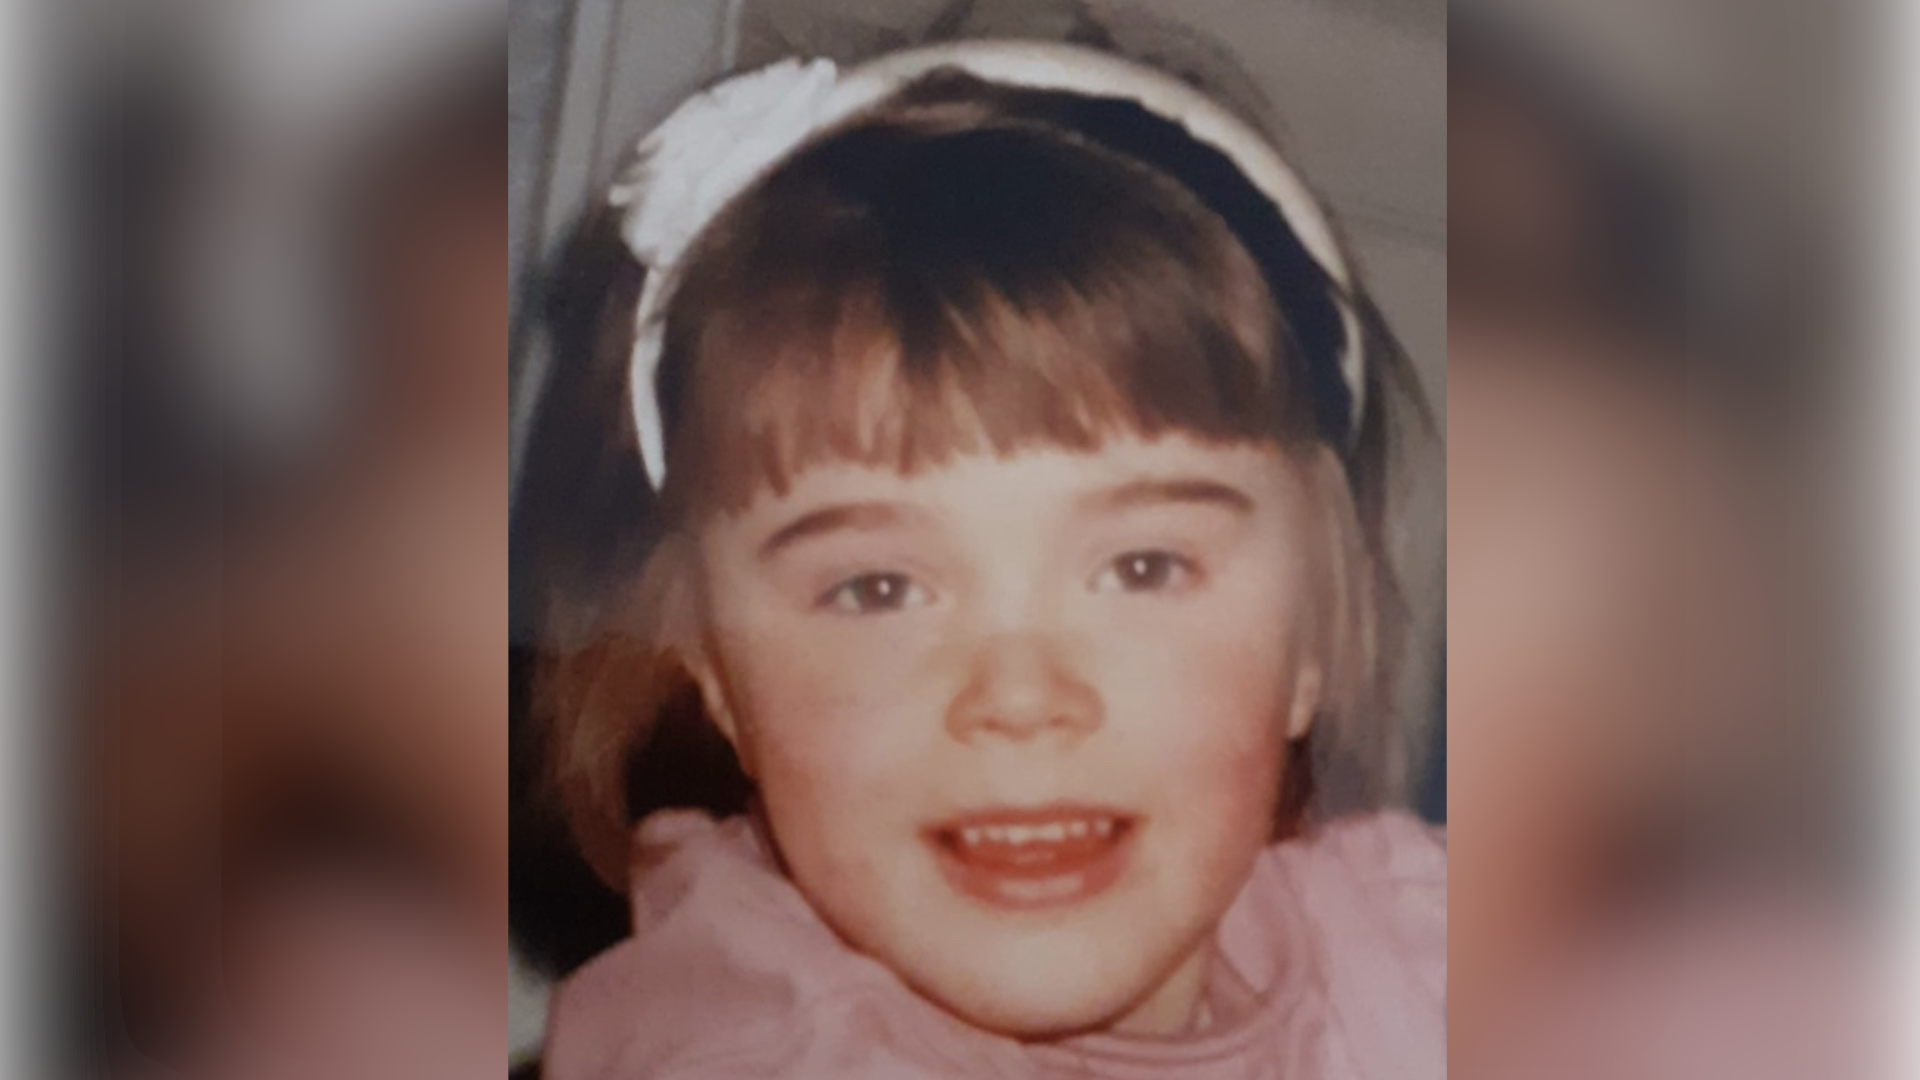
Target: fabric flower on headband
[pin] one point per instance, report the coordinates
(713, 148)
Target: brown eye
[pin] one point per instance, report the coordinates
(871, 594)
(1145, 571)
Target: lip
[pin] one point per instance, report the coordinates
(1035, 858)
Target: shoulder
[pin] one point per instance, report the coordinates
(729, 974)
(1388, 869)
(1373, 888)
(1393, 860)
(708, 914)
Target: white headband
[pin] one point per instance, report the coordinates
(720, 142)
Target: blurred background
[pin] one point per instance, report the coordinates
(1659, 793)
(283, 846)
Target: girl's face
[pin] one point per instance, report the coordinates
(1018, 723)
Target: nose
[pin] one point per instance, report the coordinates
(1020, 686)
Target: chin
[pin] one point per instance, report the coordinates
(1039, 1019)
(1035, 1003)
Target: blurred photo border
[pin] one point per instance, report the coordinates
(31, 976)
(30, 265)
(1896, 626)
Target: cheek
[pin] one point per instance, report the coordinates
(1202, 701)
(830, 727)
(1228, 749)
(1202, 730)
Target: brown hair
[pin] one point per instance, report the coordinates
(954, 272)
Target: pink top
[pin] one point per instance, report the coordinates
(1342, 938)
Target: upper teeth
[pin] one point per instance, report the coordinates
(1053, 832)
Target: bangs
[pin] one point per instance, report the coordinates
(894, 298)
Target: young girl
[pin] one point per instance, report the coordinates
(1014, 436)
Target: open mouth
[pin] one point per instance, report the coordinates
(1025, 859)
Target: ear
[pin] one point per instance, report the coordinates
(1309, 694)
(1340, 623)
(682, 629)
(706, 673)
(686, 627)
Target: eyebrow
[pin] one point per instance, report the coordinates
(864, 516)
(1138, 494)
(1187, 491)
